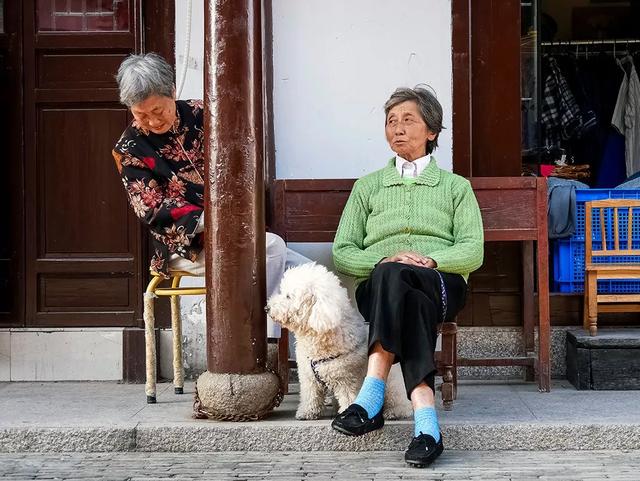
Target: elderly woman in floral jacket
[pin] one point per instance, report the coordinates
(160, 157)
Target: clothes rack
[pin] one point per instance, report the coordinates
(589, 42)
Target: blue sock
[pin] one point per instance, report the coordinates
(426, 422)
(371, 395)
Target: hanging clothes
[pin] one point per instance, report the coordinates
(560, 113)
(612, 170)
(626, 115)
(561, 206)
(563, 117)
(601, 77)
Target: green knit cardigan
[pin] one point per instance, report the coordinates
(435, 214)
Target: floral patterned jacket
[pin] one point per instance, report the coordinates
(163, 177)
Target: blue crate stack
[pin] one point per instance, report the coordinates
(568, 254)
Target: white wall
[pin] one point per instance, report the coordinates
(335, 63)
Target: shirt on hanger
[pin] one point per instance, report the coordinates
(626, 115)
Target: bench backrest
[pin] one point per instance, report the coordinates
(513, 208)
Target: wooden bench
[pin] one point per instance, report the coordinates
(513, 209)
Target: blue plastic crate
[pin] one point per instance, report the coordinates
(604, 287)
(568, 254)
(568, 259)
(586, 195)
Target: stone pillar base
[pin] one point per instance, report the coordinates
(236, 397)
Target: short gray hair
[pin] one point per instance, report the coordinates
(428, 105)
(141, 76)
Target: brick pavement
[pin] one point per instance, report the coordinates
(378, 466)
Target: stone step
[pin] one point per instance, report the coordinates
(99, 417)
(314, 436)
(608, 361)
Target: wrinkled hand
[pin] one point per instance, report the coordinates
(411, 258)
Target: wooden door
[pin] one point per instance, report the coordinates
(12, 231)
(83, 245)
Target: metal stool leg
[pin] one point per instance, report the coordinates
(150, 339)
(176, 326)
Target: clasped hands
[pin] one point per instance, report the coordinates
(411, 258)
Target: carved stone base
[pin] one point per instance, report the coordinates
(236, 397)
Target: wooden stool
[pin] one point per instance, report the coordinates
(175, 291)
(618, 221)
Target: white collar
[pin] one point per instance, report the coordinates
(420, 164)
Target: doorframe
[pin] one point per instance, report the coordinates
(461, 64)
(15, 120)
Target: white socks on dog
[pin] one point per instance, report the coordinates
(371, 395)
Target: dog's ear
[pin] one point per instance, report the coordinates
(326, 313)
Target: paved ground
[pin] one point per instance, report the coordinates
(57, 404)
(379, 466)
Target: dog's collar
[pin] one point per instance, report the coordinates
(315, 362)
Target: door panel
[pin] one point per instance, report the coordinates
(78, 196)
(84, 249)
(59, 71)
(84, 15)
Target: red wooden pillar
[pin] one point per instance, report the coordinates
(234, 208)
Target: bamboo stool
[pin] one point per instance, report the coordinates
(175, 291)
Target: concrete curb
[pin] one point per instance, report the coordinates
(95, 439)
(314, 436)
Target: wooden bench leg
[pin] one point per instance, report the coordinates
(455, 365)
(150, 339)
(176, 327)
(528, 305)
(448, 360)
(283, 360)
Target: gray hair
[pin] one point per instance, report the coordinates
(141, 76)
(428, 105)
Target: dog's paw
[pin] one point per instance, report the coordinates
(304, 415)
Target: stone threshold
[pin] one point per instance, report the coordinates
(315, 436)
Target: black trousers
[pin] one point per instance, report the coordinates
(403, 305)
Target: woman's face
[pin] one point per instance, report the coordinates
(156, 113)
(407, 132)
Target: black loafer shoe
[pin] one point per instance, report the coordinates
(354, 421)
(423, 450)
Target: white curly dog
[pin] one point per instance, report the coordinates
(331, 342)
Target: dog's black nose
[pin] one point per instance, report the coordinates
(266, 309)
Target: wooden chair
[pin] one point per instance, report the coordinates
(175, 291)
(611, 230)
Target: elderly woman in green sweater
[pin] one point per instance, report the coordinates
(411, 233)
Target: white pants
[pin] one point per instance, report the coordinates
(278, 257)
